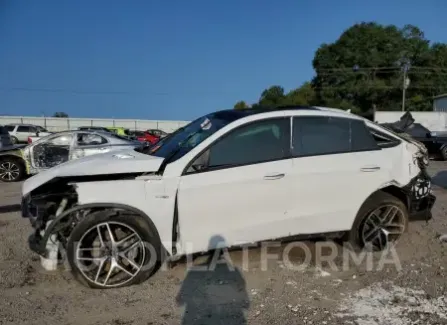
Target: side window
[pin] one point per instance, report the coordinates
(10, 128)
(62, 140)
(89, 139)
(23, 128)
(383, 140)
(257, 142)
(320, 135)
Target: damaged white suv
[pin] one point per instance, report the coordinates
(241, 175)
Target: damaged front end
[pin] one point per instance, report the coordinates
(52, 213)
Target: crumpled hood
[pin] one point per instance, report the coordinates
(115, 162)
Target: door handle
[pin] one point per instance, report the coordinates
(370, 169)
(274, 176)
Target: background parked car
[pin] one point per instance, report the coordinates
(435, 144)
(93, 128)
(157, 133)
(46, 152)
(119, 130)
(20, 132)
(144, 136)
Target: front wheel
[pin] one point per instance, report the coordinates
(381, 221)
(110, 249)
(11, 169)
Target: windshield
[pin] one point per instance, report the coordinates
(180, 142)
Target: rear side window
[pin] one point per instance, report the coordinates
(90, 139)
(321, 135)
(383, 140)
(10, 128)
(22, 128)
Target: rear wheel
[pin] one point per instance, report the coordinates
(14, 140)
(381, 221)
(11, 169)
(110, 249)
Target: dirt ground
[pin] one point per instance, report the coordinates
(413, 291)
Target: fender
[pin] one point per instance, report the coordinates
(66, 214)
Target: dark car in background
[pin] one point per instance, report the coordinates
(436, 143)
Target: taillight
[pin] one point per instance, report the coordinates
(30, 140)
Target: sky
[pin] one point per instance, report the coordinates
(173, 59)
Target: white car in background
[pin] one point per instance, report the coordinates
(242, 175)
(21, 132)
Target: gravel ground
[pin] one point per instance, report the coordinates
(410, 291)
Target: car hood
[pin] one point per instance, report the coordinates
(115, 162)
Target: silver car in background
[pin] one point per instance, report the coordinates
(60, 147)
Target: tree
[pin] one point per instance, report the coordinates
(60, 114)
(364, 68)
(272, 97)
(241, 105)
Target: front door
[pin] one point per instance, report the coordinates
(238, 189)
(51, 152)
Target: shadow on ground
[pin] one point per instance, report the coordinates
(10, 208)
(214, 292)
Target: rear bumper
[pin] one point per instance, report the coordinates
(421, 209)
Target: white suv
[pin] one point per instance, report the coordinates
(239, 175)
(20, 132)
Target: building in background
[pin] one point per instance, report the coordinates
(440, 103)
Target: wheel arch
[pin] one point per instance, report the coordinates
(67, 214)
(393, 190)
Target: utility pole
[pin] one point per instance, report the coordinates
(405, 84)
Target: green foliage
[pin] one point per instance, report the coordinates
(364, 69)
(60, 114)
(241, 105)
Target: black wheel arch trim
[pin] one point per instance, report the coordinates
(68, 212)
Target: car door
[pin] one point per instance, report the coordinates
(51, 152)
(87, 144)
(238, 188)
(336, 165)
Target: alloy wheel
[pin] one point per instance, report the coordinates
(382, 227)
(9, 171)
(110, 254)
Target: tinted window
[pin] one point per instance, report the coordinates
(41, 129)
(318, 135)
(261, 141)
(10, 128)
(383, 140)
(23, 128)
(89, 139)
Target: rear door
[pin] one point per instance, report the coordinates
(336, 165)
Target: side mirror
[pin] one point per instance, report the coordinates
(37, 133)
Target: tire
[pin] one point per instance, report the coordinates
(144, 230)
(14, 140)
(444, 153)
(12, 169)
(360, 229)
